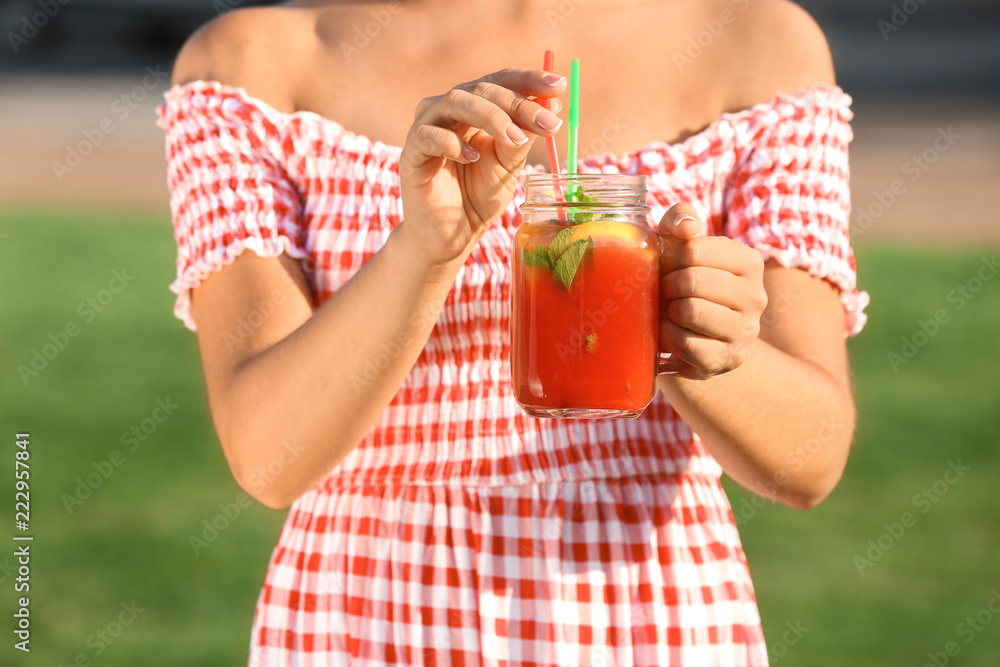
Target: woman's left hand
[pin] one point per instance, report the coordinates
(711, 297)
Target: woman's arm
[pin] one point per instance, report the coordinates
(775, 409)
(768, 390)
(290, 399)
(293, 395)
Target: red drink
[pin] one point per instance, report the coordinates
(585, 314)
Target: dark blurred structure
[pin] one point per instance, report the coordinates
(100, 36)
(902, 47)
(916, 68)
(881, 47)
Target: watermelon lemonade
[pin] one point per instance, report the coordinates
(585, 300)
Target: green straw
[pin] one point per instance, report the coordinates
(574, 115)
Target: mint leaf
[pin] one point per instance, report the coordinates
(569, 261)
(539, 258)
(577, 195)
(544, 251)
(578, 216)
(545, 256)
(559, 244)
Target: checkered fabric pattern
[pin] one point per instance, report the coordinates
(460, 531)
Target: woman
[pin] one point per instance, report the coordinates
(343, 256)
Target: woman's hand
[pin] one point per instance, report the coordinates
(463, 156)
(712, 297)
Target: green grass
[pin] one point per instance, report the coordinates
(940, 407)
(129, 540)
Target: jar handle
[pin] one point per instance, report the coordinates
(661, 359)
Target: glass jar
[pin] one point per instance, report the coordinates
(585, 297)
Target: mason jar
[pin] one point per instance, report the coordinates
(585, 297)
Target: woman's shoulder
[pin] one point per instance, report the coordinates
(259, 49)
(776, 48)
(708, 59)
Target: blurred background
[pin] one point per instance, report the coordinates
(83, 195)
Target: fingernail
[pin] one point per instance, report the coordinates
(516, 135)
(547, 120)
(470, 153)
(553, 80)
(679, 220)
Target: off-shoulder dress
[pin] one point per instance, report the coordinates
(460, 531)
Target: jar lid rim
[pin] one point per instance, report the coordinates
(569, 178)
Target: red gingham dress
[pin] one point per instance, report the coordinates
(460, 531)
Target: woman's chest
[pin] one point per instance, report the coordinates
(350, 196)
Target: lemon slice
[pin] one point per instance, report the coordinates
(627, 234)
(606, 233)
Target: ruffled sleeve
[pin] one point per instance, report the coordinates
(228, 188)
(788, 195)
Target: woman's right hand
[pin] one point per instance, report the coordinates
(464, 154)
